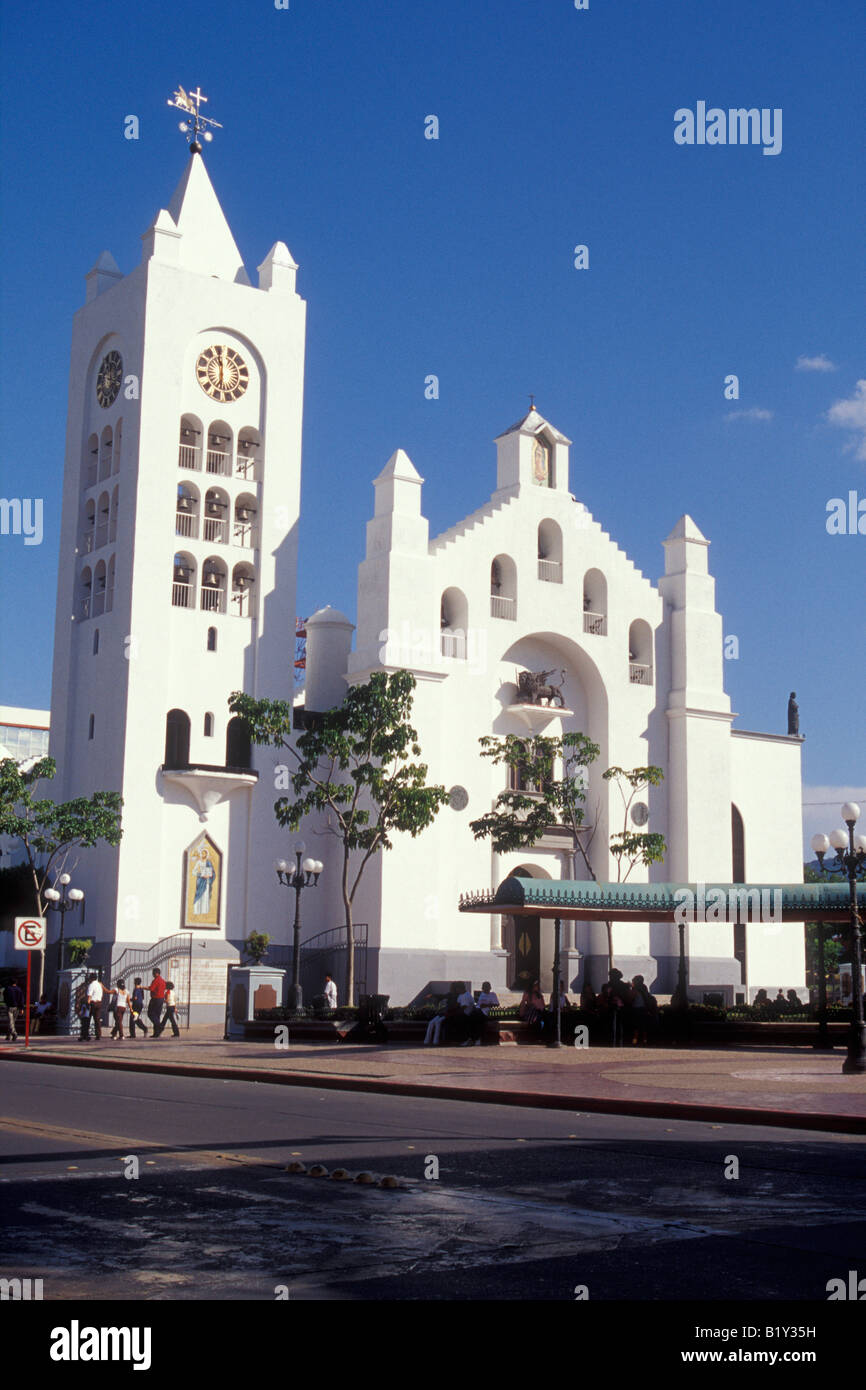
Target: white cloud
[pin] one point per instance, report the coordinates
(821, 363)
(756, 413)
(850, 414)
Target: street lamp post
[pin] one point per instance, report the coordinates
(556, 1040)
(302, 876)
(850, 857)
(64, 901)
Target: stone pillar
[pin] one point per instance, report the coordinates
(252, 987)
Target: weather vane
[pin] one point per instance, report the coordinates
(190, 102)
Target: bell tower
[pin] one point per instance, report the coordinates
(177, 572)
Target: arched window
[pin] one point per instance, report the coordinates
(453, 622)
(105, 453)
(100, 581)
(109, 592)
(640, 653)
(238, 747)
(177, 728)
(216, 516)
(503, 588)
(103, 514)
(85, 593)
(246, 511)
(183, 581)
(211, 639)
(112, 518)
(738, 875)
(186, 513)
(89, 534)
(218, 458)
(595, 603)
(244, 590)
(213, 585)
(91, 461)
(248, 464)
(118, 439)
(189, 446)
(550, 552)
(208, 726)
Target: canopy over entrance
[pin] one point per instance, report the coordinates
(664, 902)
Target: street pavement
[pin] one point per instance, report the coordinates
(158, 1187)
(770, 1085)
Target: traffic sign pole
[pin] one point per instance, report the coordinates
(27, 1003)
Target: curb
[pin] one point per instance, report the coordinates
(600, 1105)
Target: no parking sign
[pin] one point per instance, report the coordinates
(30, 933)
(29, 937)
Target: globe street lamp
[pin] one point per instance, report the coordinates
(64, 901)
(302, 876)
(850, 858)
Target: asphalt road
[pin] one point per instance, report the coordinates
(526, 1205)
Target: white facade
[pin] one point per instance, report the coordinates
(529, 582)
(177, 573)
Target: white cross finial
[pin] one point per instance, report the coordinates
(197, 97)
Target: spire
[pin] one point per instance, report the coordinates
(205, 243)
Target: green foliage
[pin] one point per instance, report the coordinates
(257, 944)
(78, 949)
(49, 828)
(353, 764)
(520, 818)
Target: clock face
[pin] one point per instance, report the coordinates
(222, 373)
(109, 378)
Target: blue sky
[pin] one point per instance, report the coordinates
(455, 257)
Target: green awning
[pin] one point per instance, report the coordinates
(664, 902)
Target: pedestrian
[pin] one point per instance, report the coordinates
(157, 995)
(13, 998)
(170, 1001)
(121, 1004)
(136, 1009)
(41, 1010)
(84, 1019)
(474, 1019)
(638, 1012)
(96, 992)
(449, 1011)
(330, 993)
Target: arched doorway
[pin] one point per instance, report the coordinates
(529, 943)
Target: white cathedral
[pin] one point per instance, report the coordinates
(177, 586)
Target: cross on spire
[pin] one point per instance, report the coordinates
(190, 104)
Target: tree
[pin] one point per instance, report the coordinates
(49, 831)
(523, 813)
(352, 763)
(836, 944)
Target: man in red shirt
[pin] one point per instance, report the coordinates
(157, 994)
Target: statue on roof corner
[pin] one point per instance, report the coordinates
(793, 715)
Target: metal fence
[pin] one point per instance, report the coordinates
(326, 954)
(173, 955)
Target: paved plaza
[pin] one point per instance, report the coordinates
(777, 1085)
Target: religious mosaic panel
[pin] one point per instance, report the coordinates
(202, 879)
